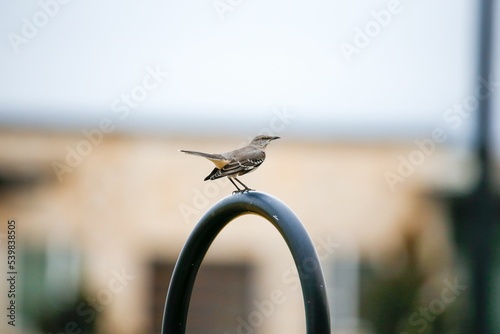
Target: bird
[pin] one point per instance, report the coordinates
(238, 162)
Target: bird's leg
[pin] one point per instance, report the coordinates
(237, 191)
(246, 188)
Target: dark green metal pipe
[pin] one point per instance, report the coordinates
(205, 232)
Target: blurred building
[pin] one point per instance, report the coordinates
(101, 219)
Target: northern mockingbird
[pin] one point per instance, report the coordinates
(237, 162)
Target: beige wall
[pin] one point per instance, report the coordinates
(136, 198)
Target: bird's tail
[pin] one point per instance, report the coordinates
(205, 155)
(217, 159)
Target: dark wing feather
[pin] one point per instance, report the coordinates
(235, 168)
(212, 173)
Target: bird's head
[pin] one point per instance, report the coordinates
(263, 140)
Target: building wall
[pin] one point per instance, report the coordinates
(131, 200)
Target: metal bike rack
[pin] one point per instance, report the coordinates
(212, 223)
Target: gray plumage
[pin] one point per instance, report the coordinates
(238, 162)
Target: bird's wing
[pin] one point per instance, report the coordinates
(246, 161)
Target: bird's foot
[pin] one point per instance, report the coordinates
(241, 191)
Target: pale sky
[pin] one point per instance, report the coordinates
(356, 68)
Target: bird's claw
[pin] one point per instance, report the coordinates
(241, 191)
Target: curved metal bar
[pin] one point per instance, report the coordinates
(205, 232)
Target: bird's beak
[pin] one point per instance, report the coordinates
(274, 138)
